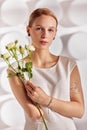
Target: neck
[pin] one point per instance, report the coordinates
(41, 54)
(43, 59)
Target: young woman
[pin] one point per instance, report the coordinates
(55, 84)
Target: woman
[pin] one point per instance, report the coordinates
(56, 83)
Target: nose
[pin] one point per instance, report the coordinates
(44, 33)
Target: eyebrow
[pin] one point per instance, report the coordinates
(49, 27)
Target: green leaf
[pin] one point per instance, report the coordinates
(28, 65)
(23, 69)
(30, 75)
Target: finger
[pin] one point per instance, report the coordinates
(31, 85)
(33, 95)
(29, 88)
(29, 93)
(28, 83)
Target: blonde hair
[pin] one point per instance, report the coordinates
(41, 11)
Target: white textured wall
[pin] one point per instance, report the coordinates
(71, 41)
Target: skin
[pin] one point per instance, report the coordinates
(42, 33)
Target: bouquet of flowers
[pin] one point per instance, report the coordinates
(13, 52)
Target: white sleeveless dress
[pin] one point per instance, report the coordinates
(55, 81)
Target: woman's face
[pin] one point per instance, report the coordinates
(43, 31)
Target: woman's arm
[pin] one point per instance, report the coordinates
(72, 108)
(19, 92)
(75, 107)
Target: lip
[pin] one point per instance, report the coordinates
(43, 42)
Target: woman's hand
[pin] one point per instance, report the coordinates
(36, 94)
(34, 113)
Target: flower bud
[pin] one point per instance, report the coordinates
(30, 48)
(21, 49)
(10, 46)
(5, 56)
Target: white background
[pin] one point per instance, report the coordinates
(71, 41)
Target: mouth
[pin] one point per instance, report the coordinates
(43, 42)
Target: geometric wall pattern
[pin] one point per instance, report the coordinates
(71, 41)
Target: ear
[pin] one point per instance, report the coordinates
(28, 30)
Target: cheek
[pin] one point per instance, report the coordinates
(35, 35)
(51, 38)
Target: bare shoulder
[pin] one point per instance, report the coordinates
(55, 58)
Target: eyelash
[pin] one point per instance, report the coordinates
(38, 28)
(50, 30)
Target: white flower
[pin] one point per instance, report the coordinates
(30, 48)
(5, 56)
(10, 45)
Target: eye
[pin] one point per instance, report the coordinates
(38, 28)
(51, 30)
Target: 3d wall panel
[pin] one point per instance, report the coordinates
(71, 41)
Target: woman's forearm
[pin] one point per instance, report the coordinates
(20, 94)
(68, 109)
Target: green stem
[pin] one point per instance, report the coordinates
(13, 54)
(38, 107)
(9, 65)
(22, 60)
(12, 67)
